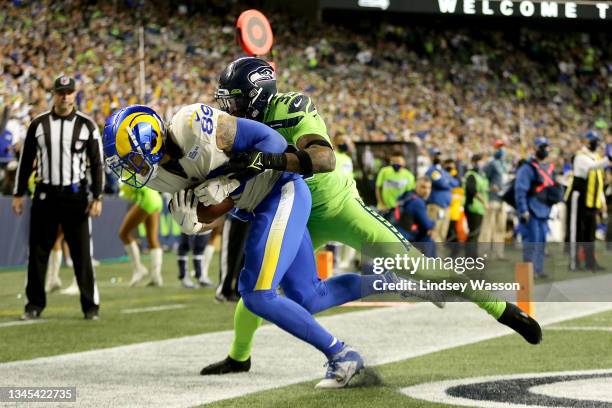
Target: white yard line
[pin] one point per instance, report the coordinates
(153, 308)
(166, 373)
(21, 323)
(581, 328)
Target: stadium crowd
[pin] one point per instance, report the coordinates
(432, 86)
(417, 83)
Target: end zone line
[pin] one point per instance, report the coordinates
(153, 308)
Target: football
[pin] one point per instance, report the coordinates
(209, 213)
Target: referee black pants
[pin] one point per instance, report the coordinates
(233, 240)
(49, 210)
(581, 228)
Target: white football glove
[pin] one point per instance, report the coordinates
(214, 191)
(184, 210)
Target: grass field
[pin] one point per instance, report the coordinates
(575, 344)
(561, 351)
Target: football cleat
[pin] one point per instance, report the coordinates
(30, 315)
(227, 366)
(521, 323)
(221, 298)
(341, 368)
(92, 315)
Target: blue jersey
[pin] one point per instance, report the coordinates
(442, 184)
(415, 212)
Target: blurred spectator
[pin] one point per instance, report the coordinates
(586, 200)
(476, 188)
(391, 182)
(493, 228)
(440, 198)
(414, 223)
(535, 192)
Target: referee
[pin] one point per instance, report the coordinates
(64, 143)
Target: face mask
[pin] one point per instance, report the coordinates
(396, 167)
(541, 154)
(436, 161)
(499, 154)
(593, 145)
(343, 147)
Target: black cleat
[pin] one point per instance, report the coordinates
(227, 366)
(30, 315)
(521, 323)
(92, 314)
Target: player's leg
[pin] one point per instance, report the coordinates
(362, 225)
(132, 219)
(302, 284)
(276, 234)
(182, 256)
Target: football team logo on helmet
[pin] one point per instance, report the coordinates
(133, 144)
(265, 73)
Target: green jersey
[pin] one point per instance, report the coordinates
(294, 115)
(393, 184)
(344, 163)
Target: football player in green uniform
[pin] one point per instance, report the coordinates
(247, 88)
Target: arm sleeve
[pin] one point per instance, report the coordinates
(522, 185)
(94, 152)
(438, 181)
(26, 161)
(309, 125)
(420, 215)
(251, 135)
(453, 182)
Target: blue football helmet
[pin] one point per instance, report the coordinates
(133, 144)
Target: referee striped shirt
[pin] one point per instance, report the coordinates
(63, 147)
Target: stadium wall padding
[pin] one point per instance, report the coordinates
(14, 231)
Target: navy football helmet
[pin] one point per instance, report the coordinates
(245, 88)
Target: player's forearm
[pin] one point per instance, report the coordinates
(322, 160)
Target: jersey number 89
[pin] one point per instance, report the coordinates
(205, 120)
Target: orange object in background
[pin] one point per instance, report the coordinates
(325, 264)
(254, 33)
(461, 228)
(523, 275)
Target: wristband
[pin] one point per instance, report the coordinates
(305, 162)
(274, 161)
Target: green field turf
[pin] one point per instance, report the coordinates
(65, 331)
(560, 351)
(198, 314)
